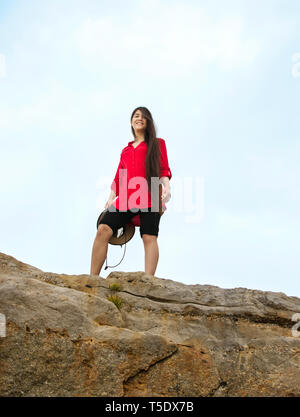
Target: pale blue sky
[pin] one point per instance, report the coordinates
(218, 79)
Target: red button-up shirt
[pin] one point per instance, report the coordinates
(130, 184)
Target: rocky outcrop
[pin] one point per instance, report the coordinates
(65, 338)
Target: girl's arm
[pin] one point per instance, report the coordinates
(114, 186)
(166, 173)
(166, 192)
(166, 182)
(112, 195)
(111, 198)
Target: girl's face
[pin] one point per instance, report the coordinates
(139, 122)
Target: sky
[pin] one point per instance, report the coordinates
(222, 81)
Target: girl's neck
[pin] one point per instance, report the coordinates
(139, 138)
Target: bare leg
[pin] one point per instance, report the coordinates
(151, 253)
(99, 251)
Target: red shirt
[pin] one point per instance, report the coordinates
(130, 184)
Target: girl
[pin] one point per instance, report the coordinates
(144, 158)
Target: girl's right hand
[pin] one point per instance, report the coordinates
(108, 203)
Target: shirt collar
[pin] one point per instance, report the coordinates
(131, 142)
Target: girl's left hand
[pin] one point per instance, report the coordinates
(166, 195)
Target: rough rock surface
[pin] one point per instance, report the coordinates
(65, 338)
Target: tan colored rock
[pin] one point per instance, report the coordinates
(64, 338)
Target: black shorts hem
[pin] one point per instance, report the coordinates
(147, 233)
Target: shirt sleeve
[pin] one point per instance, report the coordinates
(115, 184)
(165, 170)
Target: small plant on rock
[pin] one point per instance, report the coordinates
(116, 300)
(115, 286)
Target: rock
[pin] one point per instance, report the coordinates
(65, 338)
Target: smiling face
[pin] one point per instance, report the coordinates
(139, 122)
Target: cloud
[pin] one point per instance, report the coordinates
(58, 106)
(21, 168)
(2, 66)
(274, 172)
(167, 41)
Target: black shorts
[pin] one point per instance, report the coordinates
(149, 220)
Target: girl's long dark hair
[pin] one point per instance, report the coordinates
(152, 162)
